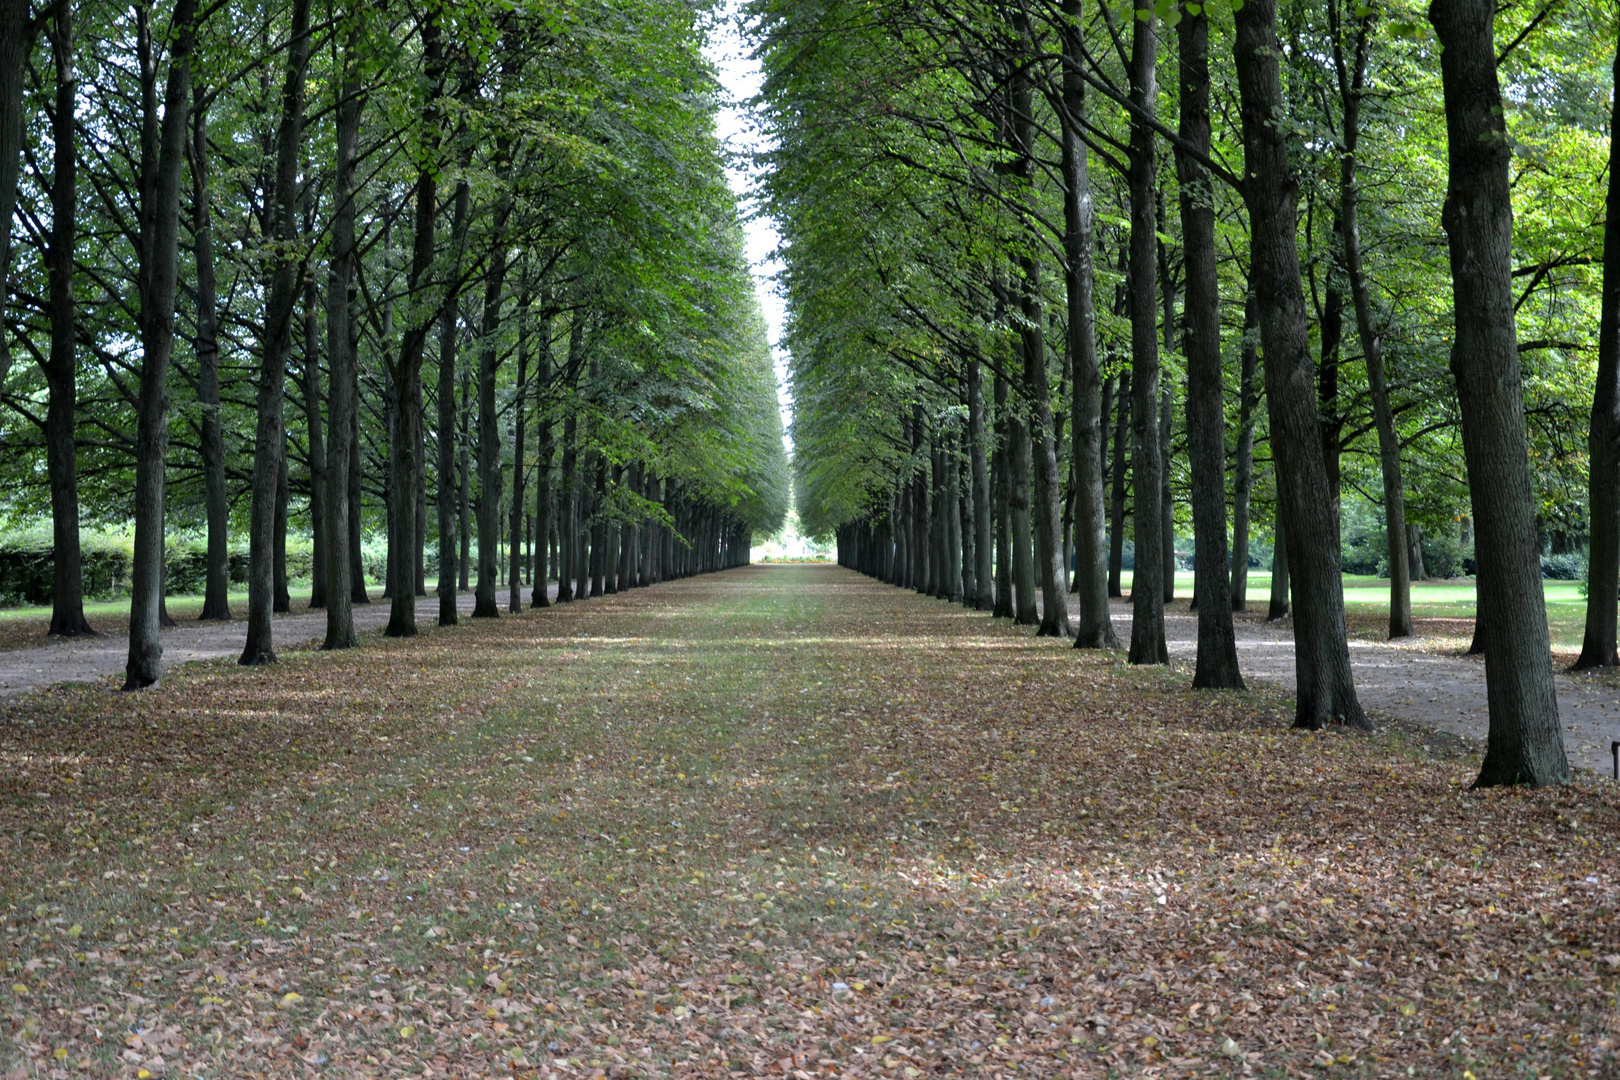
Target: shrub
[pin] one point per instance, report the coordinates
(1566, 567)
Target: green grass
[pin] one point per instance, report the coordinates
(1366, 601)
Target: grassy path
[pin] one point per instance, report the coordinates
(775, 821)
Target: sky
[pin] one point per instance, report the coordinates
(740, 79)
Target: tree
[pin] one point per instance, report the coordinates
(1525, 742)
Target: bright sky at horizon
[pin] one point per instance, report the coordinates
(739, 132)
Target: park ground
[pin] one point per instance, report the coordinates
(777, 821)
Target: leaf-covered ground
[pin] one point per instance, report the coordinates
(776, 821)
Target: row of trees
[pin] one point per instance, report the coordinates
(286, 267)
(1061, 272)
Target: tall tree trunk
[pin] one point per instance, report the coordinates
(1326, 690)
(1096, 630)
(1024, 571)
(514, 603)
(1167, 509)
(283, 600)
(544, 452)
(216, 576)
(489, 438)
(1603, 478)
(449, 338)
(568, 504)
(61, 368)
(1216, 666)
(1116, 527)
(342, 507)
(1327, 389)
(598, 529)
(1002, 502)
(464, 485)
(269, 449)
(1243, 467)
(953, 520)
(1281, 587)
(1525, 743)
(318, 475)
(162, 150)
(1147, 466)
(1049, 571)
(17, 34)
(984, 597)
(405, 517)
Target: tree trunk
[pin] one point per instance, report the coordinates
(62, 365)
(1024, 570)
(542, 475)
(1147, 581)
(464, 485)
(1003, 608)
(953, 521)
(1216, 666)
(343, 507)
(1096, 629)
(514, 601)
(1325, 687)
(216, 577)
(1280, 585)
(568, 526)
(1414, 553)
(405, 518)
(283, 601)
(1327, 394)
(489, 432)
(17, 33)
(1116, 527)
(269, 449)
(1049, 571)
(318, 475)
(984, 597)
(163, 149)
(1243, 468)
(1525, 741)
(1603, 478)
(449, 337)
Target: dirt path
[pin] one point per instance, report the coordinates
(98, 658)
(1442, 692)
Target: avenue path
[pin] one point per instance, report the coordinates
(1443, 692)
(97, 658)
(780, 821)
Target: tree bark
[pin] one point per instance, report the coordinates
(1603, 478)
(1147, 580)
(405, 517)
(1525, 742)
(163, 149)
(1325, 687)
(984, 598)
(1281, 590)
(1047, 521)
(17, 34)
(318, 475)
(1216, 666)
(61, 366)
(464, 485)
(449, 339)
(1116, 527)
(1096, 629)
(1243, 468)
(269, 450)
(514, 602)
(283, 601)
(343, 508)
(489, 437)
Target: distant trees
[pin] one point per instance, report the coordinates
(215, 206)
(936, 161)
